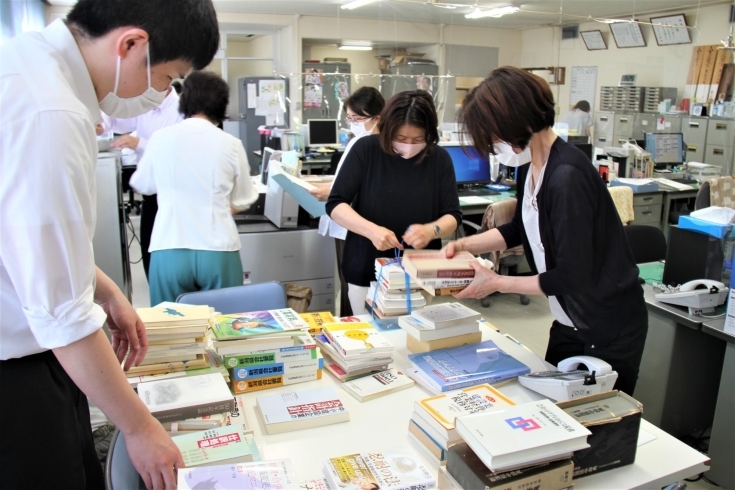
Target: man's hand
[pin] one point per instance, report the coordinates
(384, 239)
(321, 192)
(99, 129)
(419, 236)
(452, 249)
(127, 331)
(485, 283)
(154, 455)
(126, 141)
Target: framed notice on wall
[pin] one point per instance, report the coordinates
(627, 35)
(593, 40)
(671, 29)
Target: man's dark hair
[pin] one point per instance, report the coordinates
(415, 108)
(205, 93)
(178, 29)
(509, 105)
(365, 102)
(582, 105)
(176, 85)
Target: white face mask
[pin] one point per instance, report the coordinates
(506, 156)
(116, 106)
(358, 128)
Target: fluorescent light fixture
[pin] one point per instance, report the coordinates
(356, 47)
(497, 12)
(356, 3)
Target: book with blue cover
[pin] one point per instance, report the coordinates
(467, 365)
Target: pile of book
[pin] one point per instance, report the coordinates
(461, 367)
(529, 444)
(266, 349)
(438, 275)
(354, 349)
(389, 295)
(386, 470)
(297, 410)
(177, 339)
(277, 473)
(441, 327)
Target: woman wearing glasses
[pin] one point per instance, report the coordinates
(362, 113)
(566, 220)
(398, 183)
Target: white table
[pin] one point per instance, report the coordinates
(382, 424)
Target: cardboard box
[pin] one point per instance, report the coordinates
(614, 419)
(470, 473)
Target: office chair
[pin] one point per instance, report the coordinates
(717, 191)
(120, 474)
(505, 262)
(250, 297)
(647, 243)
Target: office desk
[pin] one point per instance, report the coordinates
(382, 424)
(680, 369)
(722, 441)
(672, 196)
(472, 208)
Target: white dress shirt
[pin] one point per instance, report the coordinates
(48, 155)
(530, 224)
(326, 224)
(199, 173)
(167, 114)
(578, 122)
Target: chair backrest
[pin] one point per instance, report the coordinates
(251, 297)
(703, 198)
(622, 197)
(722, 191)
(120, 474)
(647, 243)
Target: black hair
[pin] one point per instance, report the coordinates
(176, 85)
(415, 108)
(178, 30)
(365, 102)
(583, 105)
(205, 93)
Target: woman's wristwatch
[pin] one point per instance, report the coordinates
(437, 230)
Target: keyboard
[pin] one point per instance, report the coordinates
(478, 191)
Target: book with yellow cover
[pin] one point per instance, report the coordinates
(316, 320)
(354, 339)
(387, 470)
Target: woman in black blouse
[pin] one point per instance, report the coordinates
(566, 220)
(398, 183)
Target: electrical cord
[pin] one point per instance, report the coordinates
(134, 238)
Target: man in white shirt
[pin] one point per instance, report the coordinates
(119, 56)
(167, 114)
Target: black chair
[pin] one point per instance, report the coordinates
(334, 162)
(647, 243)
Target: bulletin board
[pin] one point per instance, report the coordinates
(583, 86)
(666, 35)
(627, 35)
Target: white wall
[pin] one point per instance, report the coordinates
(661, 66)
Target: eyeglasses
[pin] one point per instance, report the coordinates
(357, 119)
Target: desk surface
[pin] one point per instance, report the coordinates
(472, 204)
(716, 328)
(677, 313)
(382, 424)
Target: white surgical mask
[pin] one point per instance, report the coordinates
(506, 156)
(358, 128)
(116, 106)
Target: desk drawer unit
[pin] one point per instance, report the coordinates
(603, 140)
(720, 132)
(623, 125)
(722, 156)
(695, 152)
(672, 124)
(647, 215)
(647, 199)
(644, 123)
(694, 130)
(604, 123)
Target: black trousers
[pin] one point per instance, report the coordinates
(345, 308)
(623, 353)
(46, 437)
(147, 218)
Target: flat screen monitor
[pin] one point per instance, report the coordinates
(323, 132)
(469, 167)
(665, 148)
(267, 155)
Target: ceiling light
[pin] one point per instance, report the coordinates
(356, 47)
(448, 7)
(356, 3)
(498, 12)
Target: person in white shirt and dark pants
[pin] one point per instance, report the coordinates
(579, 119)
(202, 176)
(118, 56)
(167, 114)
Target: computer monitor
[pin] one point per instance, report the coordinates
(267, 155)
(586, 148)
(323, 132)
(665, 148)
(469, 168)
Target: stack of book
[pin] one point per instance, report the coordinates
(256, 475)
(530, 442)
(461, 367)
(316, 319)
(431, 426)
(266, 349)
(298, 410)
(175, 400)
(230, 444)
(389, 295)
(441, 327)
(386, 470)
(355, 349)
(177, 339)
(216, 365)
(205, 422)
(438, 275)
